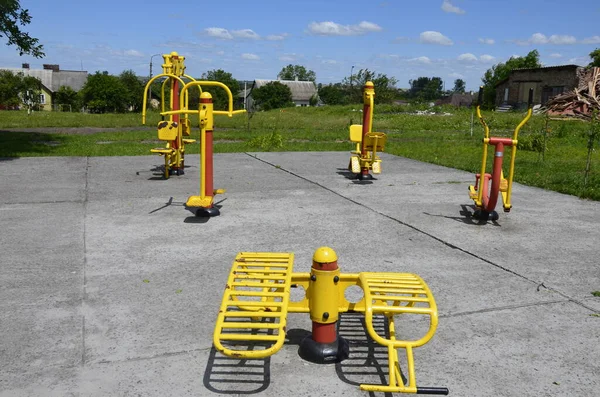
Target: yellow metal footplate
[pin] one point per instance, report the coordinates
(392, 294)
(255, 305)
(162, 150)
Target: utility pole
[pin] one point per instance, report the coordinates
(155, 55)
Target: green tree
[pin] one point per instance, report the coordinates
(426, 89)
(385, 87)
(220, 98)
(66, 96)
(103, 93)
(595, 55)
(459, 86)
(10, 87)
(30, 92)
(12, 17)
(333, 94)
(135, 90)
(273, 95)
(501, 71)
(17, 89)
(293, 72)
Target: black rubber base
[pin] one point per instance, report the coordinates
(364, 177)
(485, 216)
(207, 212)
(324, 353)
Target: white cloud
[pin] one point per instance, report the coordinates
(468, 57)
(219, 33)
(276, 37)
(580, 60)
(555, 55)
(540, 38)
(421, 60)
(486, 58)
(448, 7)
(330, 62)
(250, 57)
(220, 52)
(224, 34)
(455, 75)
(329, 28)
(133, 53)
(245, 34)
(431, 37)
(288, 57)
(562, 39)
(591, 40)
(487, 41)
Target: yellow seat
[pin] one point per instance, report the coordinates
(255, 304)
(375, 141)
(167, 130)
(188, 140)
(356, 133)
(392, 294)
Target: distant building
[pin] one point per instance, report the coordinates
(302, 91)
(52, 79)
(546, 82)
(458, 100)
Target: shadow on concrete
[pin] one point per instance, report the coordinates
(368, 361)
(14, 144)
(158, 172)
(466, 216)
(352, 177)
(227, 375)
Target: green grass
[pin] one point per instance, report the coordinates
(439, 139)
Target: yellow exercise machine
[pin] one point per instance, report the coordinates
(173, 130)
(368, 143)
(256, 303)
(490, 186)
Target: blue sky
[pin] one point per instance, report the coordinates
(404, 39)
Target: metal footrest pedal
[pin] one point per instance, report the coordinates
(255, 305)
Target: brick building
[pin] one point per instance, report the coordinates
(546, 82)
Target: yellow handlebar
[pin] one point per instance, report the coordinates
(230, 112)
(148, 84)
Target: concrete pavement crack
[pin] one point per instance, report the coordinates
(446, 243)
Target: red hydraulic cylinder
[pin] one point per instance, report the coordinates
(497, 170)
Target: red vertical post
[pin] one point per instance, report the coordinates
(206, 103)
(368, 95)
(324, 345)
(175, 101)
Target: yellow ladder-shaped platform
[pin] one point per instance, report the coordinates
(255, 305)
(392, 294)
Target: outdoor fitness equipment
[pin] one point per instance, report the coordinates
(256, 303)
(173, 130)
(487, 189)
(203, 204)
(368, 143)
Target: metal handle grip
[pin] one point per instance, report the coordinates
(440, 391)
(530, 100)
(480, 97)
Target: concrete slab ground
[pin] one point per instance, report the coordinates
(110, 287)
